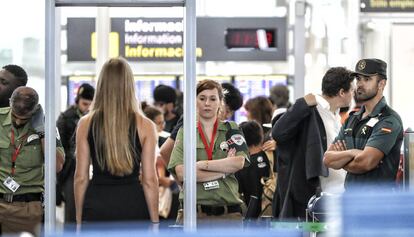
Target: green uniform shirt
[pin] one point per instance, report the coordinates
(29, 171)
(227, 193)
(383, 130)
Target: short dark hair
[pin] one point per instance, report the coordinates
(18, 72)
(381, 77)
(232, 96)
(24, 100)
(165, 94)
(85, 91)
(253, 133)
(279, 96)
(335, 79)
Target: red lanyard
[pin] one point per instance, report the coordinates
(208, 148)
(16, 150)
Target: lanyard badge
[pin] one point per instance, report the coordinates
(207, 147)
(209, 150)
(16, 151)
(10, 183)
(211, 185)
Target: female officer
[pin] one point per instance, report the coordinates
(221, 151)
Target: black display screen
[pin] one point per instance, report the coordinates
(251, 39)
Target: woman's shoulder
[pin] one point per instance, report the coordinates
(83, 126)
(144, 123)
(84, 121)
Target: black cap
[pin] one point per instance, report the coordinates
(232, 96)
(86, 91)
(371, 67)
(165, 94)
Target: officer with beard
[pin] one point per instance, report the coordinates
(368, 144)
(66, 124)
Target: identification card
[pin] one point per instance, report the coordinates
(211, 185)
(11, 184)
(371, 123)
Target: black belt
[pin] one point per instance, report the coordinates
(218, 210)
(27, 197)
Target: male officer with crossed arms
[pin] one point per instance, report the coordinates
(22, 163)
(368, 145)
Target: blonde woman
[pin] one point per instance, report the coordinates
(117, 139)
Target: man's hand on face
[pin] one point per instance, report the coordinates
(38, 121)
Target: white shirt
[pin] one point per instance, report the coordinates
(334, 183)
(278, 111)
(275, 113)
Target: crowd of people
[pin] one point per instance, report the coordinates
(270, 165)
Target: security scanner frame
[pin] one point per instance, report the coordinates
(52, 65)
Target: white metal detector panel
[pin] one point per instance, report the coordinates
(402, 71)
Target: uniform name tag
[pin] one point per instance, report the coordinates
(211, 185)
(11, 184)
(371, 123)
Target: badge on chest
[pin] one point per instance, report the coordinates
(371, 123)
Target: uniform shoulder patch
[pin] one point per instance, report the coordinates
(386, 130)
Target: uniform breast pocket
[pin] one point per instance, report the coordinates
(4, 144)
(349, 140)
(4, 151)
(31, 155)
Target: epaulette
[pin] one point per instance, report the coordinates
(4, 110)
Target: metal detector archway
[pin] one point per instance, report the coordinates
(52, 51)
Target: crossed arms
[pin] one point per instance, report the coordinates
(208, 170)
(353, 160)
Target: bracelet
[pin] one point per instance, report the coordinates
(206, 164)
(153, 222)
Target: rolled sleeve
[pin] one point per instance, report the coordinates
(339, 136)
(246, 157)
(177, 153)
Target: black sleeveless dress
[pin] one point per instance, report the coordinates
(115, 198)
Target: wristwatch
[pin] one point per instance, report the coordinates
(41, 135)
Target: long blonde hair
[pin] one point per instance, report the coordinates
(113, 113)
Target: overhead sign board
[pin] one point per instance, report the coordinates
(161, 39)
(387, 6)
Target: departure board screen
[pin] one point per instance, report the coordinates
(251, 38)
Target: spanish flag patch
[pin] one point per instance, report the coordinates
(387, 130)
